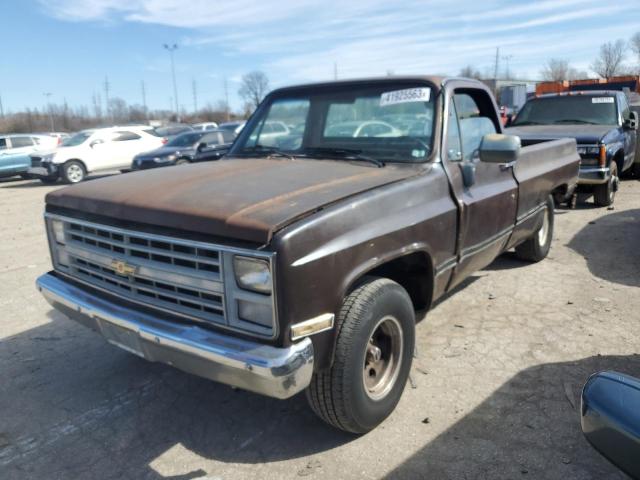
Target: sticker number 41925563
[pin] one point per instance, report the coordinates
(405, 96)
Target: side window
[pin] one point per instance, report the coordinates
(454, 145)
(125, 136)
(624, 108)
(18, 142)
(475, 114)
(228, 136)
(3, 143)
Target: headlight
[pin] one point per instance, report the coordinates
(47, 158)
(252, 274)
(57, 227)
(588, 150)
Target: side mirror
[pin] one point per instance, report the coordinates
(96, 142)
(632, 123)
(610, 419)
(497, 148)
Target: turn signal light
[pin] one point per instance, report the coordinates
(603, 156)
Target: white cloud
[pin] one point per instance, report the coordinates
(299, 40)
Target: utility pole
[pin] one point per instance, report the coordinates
(497, 64)
(106, 97)
(506, 58)
(226, 99)
(48, 95)
(144, 98)
(171, 49)
(195, 95)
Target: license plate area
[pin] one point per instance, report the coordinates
(120, 337)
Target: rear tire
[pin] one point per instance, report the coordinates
(182, 161)
(537, 246)
(374, 351)
(73, 172)
(605, 194)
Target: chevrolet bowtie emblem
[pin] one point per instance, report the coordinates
(123, 268)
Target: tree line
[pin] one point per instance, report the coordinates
(609, 62)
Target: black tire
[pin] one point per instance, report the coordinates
(635, 168)
(48, 180)
(536, 247)
(182, 161)
(338, 395)
(605, 194)
(73, 172)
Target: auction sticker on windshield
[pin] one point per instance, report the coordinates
(602, 100)
(405, 96)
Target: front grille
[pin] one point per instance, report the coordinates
(178, 276)
(36, 162)
(169, 273)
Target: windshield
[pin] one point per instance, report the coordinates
(184, 140)
(77, 139)
(381, 123)
(572, 109)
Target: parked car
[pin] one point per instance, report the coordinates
(368, 128)
(170, 131)
(15, 164)
(26, 143)
(602, 124)
(186, 148)
(204, 126)
(235, 127)
(89, 151)
(281, 270)
(610, 417)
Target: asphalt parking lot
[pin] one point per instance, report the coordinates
(494, 391)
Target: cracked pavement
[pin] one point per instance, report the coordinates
(494, 393)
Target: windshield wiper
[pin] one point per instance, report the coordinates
(268, 151)
(574, 120)
(346, 153)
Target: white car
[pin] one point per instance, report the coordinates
(26, 143)
(90, 151)
(204, 126)
(355, 129)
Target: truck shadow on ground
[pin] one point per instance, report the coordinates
(527, 428)
(79, 408)
(84, 409)
(611, 247)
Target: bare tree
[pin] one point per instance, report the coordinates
(608, 63)
(470, 72)
(255, 86)
(556, 70)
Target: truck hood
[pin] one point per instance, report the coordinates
(584, 134)
(240, 198)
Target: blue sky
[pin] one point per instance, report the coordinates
(67, 47)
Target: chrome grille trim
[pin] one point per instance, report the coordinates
(178, 276)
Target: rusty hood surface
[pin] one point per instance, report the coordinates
(247, 199)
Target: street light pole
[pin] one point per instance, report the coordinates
(171, 49)
(48, 94)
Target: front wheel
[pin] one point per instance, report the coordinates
(73, 172)
(374, 350)
(537, 246)
(605, 194)
(182, 161)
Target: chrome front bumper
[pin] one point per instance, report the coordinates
(271, 371)
(593, 175)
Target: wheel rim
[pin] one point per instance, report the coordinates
(74, 173)
(383, 357)
(543, 233)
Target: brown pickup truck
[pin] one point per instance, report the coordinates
(299, 261)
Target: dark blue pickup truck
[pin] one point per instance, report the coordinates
(603, 125)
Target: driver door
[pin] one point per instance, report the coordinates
(488, 203)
